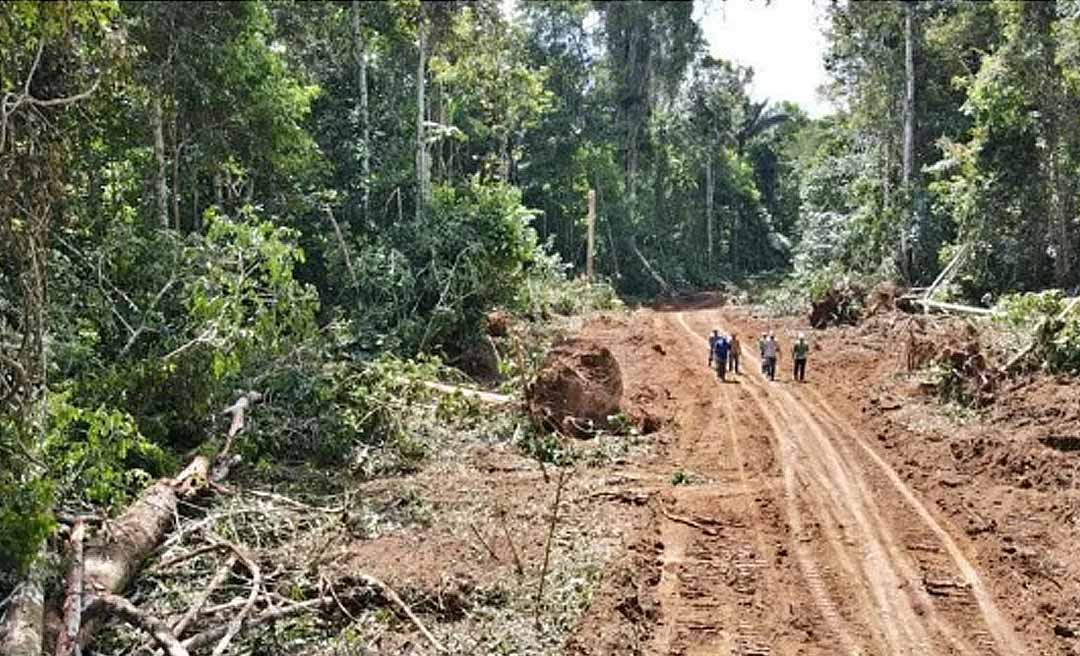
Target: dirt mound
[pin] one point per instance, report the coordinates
(498, 323)
(578, 388)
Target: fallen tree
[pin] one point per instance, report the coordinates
(111, 560)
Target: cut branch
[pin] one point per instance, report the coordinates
(237, 412)
(68, 642)
(486, 397)
(238, 621)
(649, 267)
(951, 307)
(125, 610)
(707, 530)
(204, 596)
(563, 476)
(392, 596)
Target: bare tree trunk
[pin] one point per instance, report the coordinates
(360, 55)
(909, 137)
(709, 207)
(219, 191)
(162, 184)
(591, 237)
(196, 215)
(422, 181)
(909, 93)
(177, 146)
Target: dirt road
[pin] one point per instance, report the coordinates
(785, 531)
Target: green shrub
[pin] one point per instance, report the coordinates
(26, 519)
(98, 456)
(1035, 315)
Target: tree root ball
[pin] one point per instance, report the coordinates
(578, 388)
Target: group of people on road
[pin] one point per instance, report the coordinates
(724, 352)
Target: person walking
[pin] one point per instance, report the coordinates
(734, 352)
(772, 354)
(798, 353)
(718, 356)
(712, 342)
(761, 352)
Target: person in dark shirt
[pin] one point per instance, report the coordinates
(718, 356)
(733, 355)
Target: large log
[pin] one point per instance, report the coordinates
(111, 561)
(23, 628)
(951, 307)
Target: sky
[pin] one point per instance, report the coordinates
(781, 41)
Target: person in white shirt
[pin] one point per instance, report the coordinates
(771, 351)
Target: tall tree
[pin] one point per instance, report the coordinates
(909, 163)
(362, 110)
(423, 168)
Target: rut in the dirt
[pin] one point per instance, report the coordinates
(819, 546)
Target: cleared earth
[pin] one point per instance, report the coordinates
(787, 521)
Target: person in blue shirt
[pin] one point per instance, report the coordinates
(718, 355)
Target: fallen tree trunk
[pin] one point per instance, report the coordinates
(112, 561)
(486, 397)
(68, 641)
(24, 624)
(946, 273)
(649, 267)
(950, 307)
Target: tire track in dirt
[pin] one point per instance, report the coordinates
(845, 499)
(808, 565)
(999, 628)
(748, 611)
(840, 497)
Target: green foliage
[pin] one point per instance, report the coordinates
(547, 448)
(427, 287)
(98, 456)
(246, 303)
(1038, 316)
(549, 289)
(26, 519)
(681, 477)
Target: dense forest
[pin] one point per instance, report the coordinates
(311, 199)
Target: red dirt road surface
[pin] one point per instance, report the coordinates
(790, 519)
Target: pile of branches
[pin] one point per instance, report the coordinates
(229, 561)
(953, 352)
(841, 304)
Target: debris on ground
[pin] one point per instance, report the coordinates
(578, 388)
(954, 354)
(841, 304)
